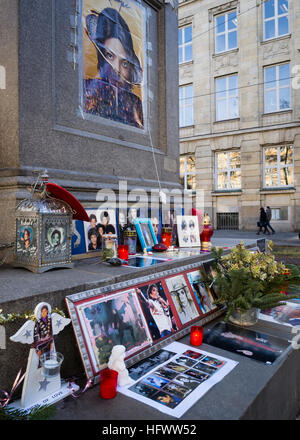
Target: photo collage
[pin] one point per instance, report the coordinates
(87, 237)
(171, 383)
(140, 317)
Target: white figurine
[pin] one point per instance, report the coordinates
(39, 334)
(116, 362)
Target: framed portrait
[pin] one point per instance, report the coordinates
(114, 319)
(78, 238)
(207, 269)
(26, 240)
(55, 239)
(203, 296)
(113, 61)
(188, 231)
(102, 221)
(157, 310)
(145, 233)
(182, 299)
(156, 220)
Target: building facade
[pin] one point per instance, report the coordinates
(239, 100)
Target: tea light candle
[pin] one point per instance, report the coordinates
(196, 335)
(108, 383)
(123, 251)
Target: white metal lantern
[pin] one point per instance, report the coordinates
(43, 232)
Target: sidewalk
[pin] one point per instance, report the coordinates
(280, 238)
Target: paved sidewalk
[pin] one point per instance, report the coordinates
(279, 238)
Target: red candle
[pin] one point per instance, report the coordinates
(123, 251)
(166, 236)
(108, 383)
(196, 335)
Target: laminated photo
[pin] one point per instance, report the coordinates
(182, 299)
(110, 320)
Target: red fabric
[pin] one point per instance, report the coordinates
(62, 194)
(199, 214)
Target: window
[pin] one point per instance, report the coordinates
(188, 172)
(276, 18)
(277, 88)
(278, 166)
(226, 32)
(279, 213)
(186, 106)
(228, 170)
(227, 98)
(185, 44)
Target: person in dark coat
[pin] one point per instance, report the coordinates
(262, 223)
(269, 216)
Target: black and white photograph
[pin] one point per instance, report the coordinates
(182, 299)
(188, 231)
(161, 356)
(190, 382)
(187, 362)
(203, 296)
(195, 374)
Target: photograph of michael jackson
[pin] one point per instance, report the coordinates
(113, 52)
(110, 320)
(102, 221)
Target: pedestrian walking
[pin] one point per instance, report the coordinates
(269, 216)
(262, 223)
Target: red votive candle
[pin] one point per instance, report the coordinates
(108, 383)
(123, 251)
(196, 335)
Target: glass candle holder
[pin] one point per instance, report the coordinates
(196, 337)
(123, 251)
(110, 241)
(130, 239)
(166, 236)
(108, 383)
(51, 363)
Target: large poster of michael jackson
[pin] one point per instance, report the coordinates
(113, 60)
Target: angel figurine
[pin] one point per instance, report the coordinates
(41, 388)
(116, 362)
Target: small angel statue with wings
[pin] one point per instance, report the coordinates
(40, 333)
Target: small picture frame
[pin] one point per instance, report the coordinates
(188, 231)
(145, 233)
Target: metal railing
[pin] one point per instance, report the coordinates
(228, 220)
